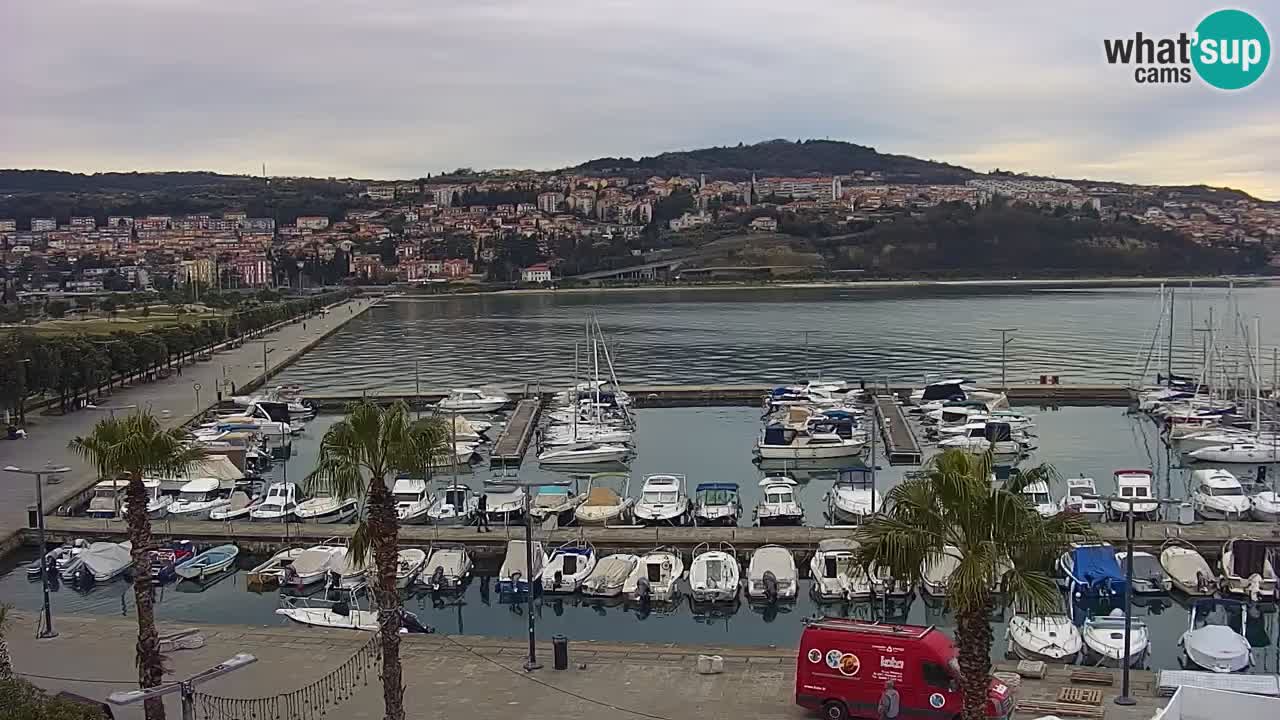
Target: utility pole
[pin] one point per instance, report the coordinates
(46, 631)
(1004, 345)
(265, 344)
(187, 688)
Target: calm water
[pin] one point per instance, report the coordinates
(759, 336)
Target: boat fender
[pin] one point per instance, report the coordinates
(770, 586)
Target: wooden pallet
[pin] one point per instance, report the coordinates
(1080, 695)
(1031, 669)
(1093, 677)
(1048, 707)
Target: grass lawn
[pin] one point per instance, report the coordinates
(131, 320)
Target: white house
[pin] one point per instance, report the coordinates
(540, 272)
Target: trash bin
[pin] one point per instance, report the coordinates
(560, 652)
(1186, 514)
(33, 517)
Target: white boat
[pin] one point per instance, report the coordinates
(558, 501)
(198, 499)
(979, 438)
(515, 575)
(655, 576)
(1079, 499)
(409, 563)
(461, 457)
(106, 561)
(1247, 569)
(884, 585)
(343, 614)
(1047, 638)
(1265, 506)
(584, 453)
(853, 498)
(714, 575)
(1214, 639)
(1187, 569)
(1218, 495)
(957, 389)
(1134, 484)
(350, 568)
(610, 575)
(474, 400)
(1038, 497)
(461, 429)
(56, 557)
(239, 506)
(271, 571)
(457, 504)
(1149, 577)
(313, 565)
(601, 433)
(936, 571)
(447, 569)
(505, 507)
(716, 504)
(1198, 439)
(1239, 452)
(412, 500)
(326, 509)
(662, 501)
(210, 562)
(836, 575)
(70, 565)
(771, 575)
(778, 502)
(278, 505)
(107, 500)
(1104, 639)
(605, 504)
(778, 442)
(568, 566)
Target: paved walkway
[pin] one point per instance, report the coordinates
(173, 400)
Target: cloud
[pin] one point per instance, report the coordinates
(404, 87)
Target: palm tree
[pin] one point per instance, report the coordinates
(358, 457)
(1003, 541)
(6, 665)
(133, 447)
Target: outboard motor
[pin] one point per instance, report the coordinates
(770, 586)
(84, 577)
(643, 591)
(557, 580)
(410, 622)
(437, 579)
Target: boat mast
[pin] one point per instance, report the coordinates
(595, 364)
(1169, 359)
(573, 393)
(608, 359)
(1257, 377)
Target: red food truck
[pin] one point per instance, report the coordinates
(843, 665)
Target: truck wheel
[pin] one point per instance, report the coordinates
(834, 710)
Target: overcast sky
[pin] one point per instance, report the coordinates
(399, 88)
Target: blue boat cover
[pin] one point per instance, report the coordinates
(855, 475)
(716, 486)
(840, 415)
(1097, 571)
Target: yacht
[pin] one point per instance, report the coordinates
(837, 577)
(1081, 497)
(241, 504)
(607, 500)
(1248, 569)
(457, 504)
(951, 390)
(279, 504)
(771, 575)
(853, 498)
(662, 501)
(1214, 639)
(505, 506)
(1037, 496)
(1218, 495)
(198, 499)
(567, 566)
(655, 576)
(714, 575)
(448, 567)
(716, 504)
(474, 400)
(778, 502)
(1134, 484)
(558, 501)
(779, 442)
(327, 509)
(982, 437)
(1217, 436)
(584, 453)
(412, 500)
(515, 575)
(1239, 452)
(1044, 638)
(107, 500)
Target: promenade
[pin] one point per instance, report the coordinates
(172, 400)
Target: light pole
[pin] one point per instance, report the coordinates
(1004, 344)
(187, 687)
(531, 663)
(196, 387)
(417, 388)
(265, 350)
(39, 473)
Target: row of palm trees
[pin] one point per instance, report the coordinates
(952, 503)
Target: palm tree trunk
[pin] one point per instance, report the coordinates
(973, 635)
(150, 662)
(384, 531)
(6, 665)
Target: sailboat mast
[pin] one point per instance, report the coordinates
(595, 365)
(573, 393)
(1169, 366)
(1257, 375)
(608, 359)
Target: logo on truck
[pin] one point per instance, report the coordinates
(815, 656)
(937, 700)
(849, 664)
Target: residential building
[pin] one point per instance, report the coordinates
(317, 222)
(253, 271)
(380, 192)
(84, 222)
(8, 225)
(119, 221)
(456, 268)
(43, 224)
(549, 202)
(201, 270)
(764, 224)
(541, 272)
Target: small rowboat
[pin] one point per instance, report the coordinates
(210, 562)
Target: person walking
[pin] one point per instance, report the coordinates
(482, 514)
(889, 702)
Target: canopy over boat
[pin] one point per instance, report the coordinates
(1095, 567)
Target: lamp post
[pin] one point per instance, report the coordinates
(47, 630)
(1004, 344)
(196, 387)
(187, 688)
(531, 663)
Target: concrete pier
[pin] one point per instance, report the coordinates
(510, 447)
(900, 444)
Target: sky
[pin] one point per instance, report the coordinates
(402, 88)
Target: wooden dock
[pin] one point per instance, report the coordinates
(510, 448)
(900, 444)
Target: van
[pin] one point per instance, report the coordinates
(842, 667)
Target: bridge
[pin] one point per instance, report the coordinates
(647, 271)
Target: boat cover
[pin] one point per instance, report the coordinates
(837, 545)
(772, 558)
(106, 558)
(1096, 569)
(614, 570)
(1248, 557)
(602, 497)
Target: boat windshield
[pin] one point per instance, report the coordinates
(777, 497)
(660, 497)
(1132, 491)
(717, 497)
(195, 496)
(1080, 492)
(1226, 491)
(105, 493)
(1040, 498)
(1219, 614)
(406, 497)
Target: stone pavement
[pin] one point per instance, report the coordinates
(173, 400)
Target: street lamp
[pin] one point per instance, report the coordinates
(39, 473)
(196, 387)
(531, 663)
(186, 687)
(1004, 344)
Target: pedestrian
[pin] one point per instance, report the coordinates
(888, 708)
(482, 514)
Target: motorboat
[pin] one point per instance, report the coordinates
(1134, 484)
(457, 504)
(1046, 638)
(558, 501)
(771, 575)
(104, 562)
(853, 498)
(601, 433)
(313, 565)
(166, 559)
(716, 503)
(584, 453)
(1081, 497)
(409, 563)
(567, 566)
(1104, 640)
(1248, 568)
(1239, 452)
(240, 505)
(952, 389)
(1218, 495)
(289, 395)
(610, 575)
(55, 557)
(662, 501)
(936, 570)
(1187, 569)
(1037, 496)
(343, 614)
(412, 500)
(515, 575)
(1215, 639)
(457, 456)
(271, 571)
(1265, 506)
(1149, 577)
(1217, 436)
(505, 506)
(278, 505)
(605, 504)
(655, 576)
(779, 442)
(325, 508)
(351, 569)
(884, 585)
(714, 575)
(198, 499)
(778, 502)
(208, 563)
(837, 577)
(461, 429)
(481, 400)
(448, 568)
(979, 438)
(107, 500)
(1091, 571)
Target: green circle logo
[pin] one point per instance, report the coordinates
(1232, 49)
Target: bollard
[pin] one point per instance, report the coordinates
(560, 652)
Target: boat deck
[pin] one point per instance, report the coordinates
(510, 448)
(901, 445)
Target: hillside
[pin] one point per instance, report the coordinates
(36, 181)
(784, 158)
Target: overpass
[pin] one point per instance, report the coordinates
(647, 271)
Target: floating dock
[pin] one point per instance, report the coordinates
(900, 444)
(510, 448)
